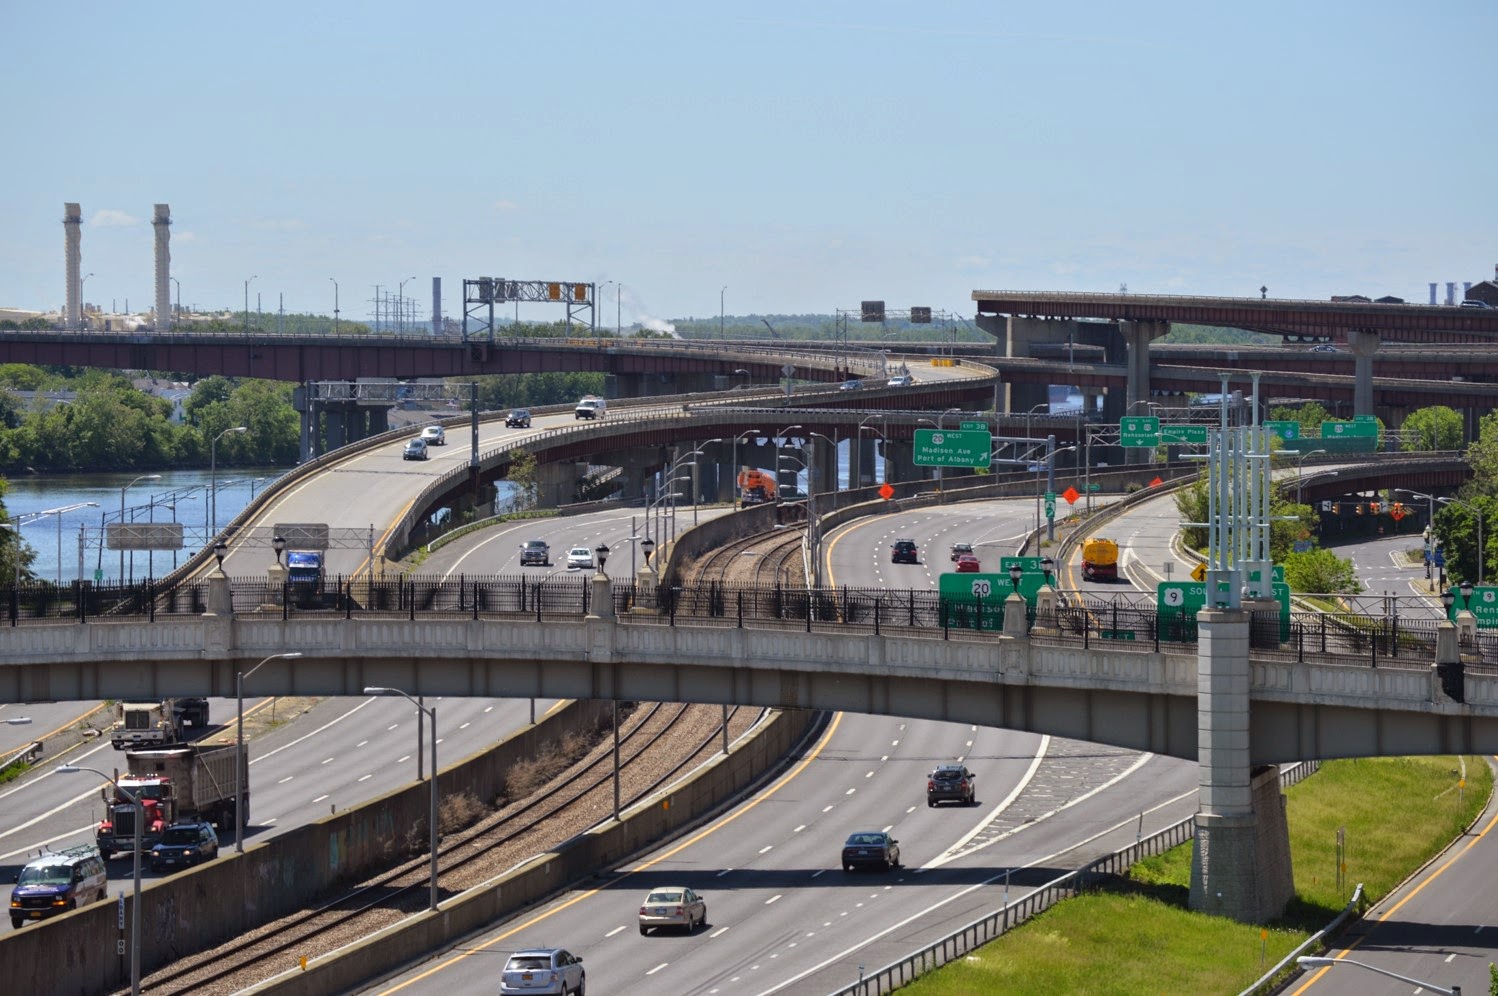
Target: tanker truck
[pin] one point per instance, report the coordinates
(1099, 560)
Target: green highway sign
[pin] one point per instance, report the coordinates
(953, 448)
(1483, 605)
(1139, 430)
(1356, 429)
(1191, 435)
(1179, 601)
(1286, 429)
(1050, 504)
(1094, 487)
(976, 601)
(1027, 564)
(975, 426)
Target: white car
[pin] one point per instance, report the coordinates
(579, 556)
(434, 435)
(901, 380)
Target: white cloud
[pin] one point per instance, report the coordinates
(281, 224)
(110, 218)
(184, 236)
(506, 206)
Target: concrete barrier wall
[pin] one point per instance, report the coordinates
(197, 909)
(546, 875)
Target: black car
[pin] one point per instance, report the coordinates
(519, 418)
(904, 552)
(535, 553)
(951, 783)
(184, 844)
(871, 847)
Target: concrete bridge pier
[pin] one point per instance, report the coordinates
(556, 483)
(863, 461)
(899, 462)
(822, 465)
(1137, 336)
(1240, 863)
(628, 385)
(1364, 344)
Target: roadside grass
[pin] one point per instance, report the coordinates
(1139, 937)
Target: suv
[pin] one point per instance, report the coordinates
(543, 970)
(951, 782)
(434, 435)
(958, 549)
(185, 844)
(904, 552)
(56, 883)
(519, 418)
(535, 553)
(416, 449)
(901, 380)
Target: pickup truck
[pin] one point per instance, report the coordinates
(535, 553)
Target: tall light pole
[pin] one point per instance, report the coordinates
(212, 509)
(82, 308)
(738, 495)
(335, 305)
(858, 440)
(720, 310)
(143, 477)
(1307, 961)
(1477, 512)
(400, 305)
(597, 299)
(247, 305)
(179, 295)
(778, 437)
(241, 763)
(432, 818)
(59, 512)
(1300, 459)
(135, 912)
(618, 296)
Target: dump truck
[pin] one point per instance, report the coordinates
(156, 724)
(175, 784)
(1099, 560)
(756, 487)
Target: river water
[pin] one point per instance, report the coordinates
(178, 495)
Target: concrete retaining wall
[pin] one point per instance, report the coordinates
(196, 909)
(546, 875)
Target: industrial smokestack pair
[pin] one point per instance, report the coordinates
(161, 221)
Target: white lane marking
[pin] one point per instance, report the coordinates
(850, 791)
(720, 930)
(463, 727)
(869, 774)
(614, 931)
(329, 760)
(723, 872)
(1449, 957)
(767, 847)
(799, 829)
(319, 798)
(909, 810)
(775, 898)
(361, 743)
(285, 780)
(365, 777)
(391, 727)
(883, 758)
(1025, 779)
(658, 968)
(490, 709)
(819, 872)
(266, 823)
(894, 743)
(403, 760)
(826, 809)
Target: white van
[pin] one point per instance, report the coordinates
(591, 406)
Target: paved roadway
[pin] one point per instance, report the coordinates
(782, 915)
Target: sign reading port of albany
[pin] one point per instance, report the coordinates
(952, 448)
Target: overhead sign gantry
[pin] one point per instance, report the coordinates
(481, 294)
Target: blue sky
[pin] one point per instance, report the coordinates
(807, 156)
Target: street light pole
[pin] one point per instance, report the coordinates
(720, 310)
(247, 305)
(431, 712)
(135, 912)
(143, 477)
(212, 509)
(241, 763)
(335, 305)
(1300, 459)
(400, 305)
(1307, 961)
(1477, 512)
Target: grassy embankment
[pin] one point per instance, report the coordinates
(1141, 938)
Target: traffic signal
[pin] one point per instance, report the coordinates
(1336, 508)
(1374, 507)
(1357, 509)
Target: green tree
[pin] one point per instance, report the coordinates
(1321, 572)
(1458, 527)
(1310, 416)
(522, 474)
(205, 393)
(1482, 457)
(1433, 428)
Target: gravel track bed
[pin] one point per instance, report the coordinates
(694, 726)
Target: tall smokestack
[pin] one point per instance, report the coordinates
(1450, 292)
(1433, 293)
(161, 221)
(436, 306)
(72, 221)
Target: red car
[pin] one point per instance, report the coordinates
(967, 563)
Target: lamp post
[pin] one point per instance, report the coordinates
(247, 305)
(335, 305)
(618, 298)
(720, 310)
(778, 437)
(34, 516)
(857, 441)
(212, 509)
(241, 763)
(179, 294)
(431, 712)
(738, 493)
(1044, 404)
(143, 477)
(596, 296)
(1300, 459)
(1477, 512)
(1016, 572)
(1307, 961)
(135, 913)
(400, 304)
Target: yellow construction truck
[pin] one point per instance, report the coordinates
(1099, 560)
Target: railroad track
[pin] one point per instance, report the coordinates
(401, 891)
(763, 559)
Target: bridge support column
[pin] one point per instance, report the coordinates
(1364, 343)
(1449, 672)
(863, 461)
(555, 484)
(899, 462)
(822, 463)
(1137, 336)
(1240, 864)
(629, 385)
